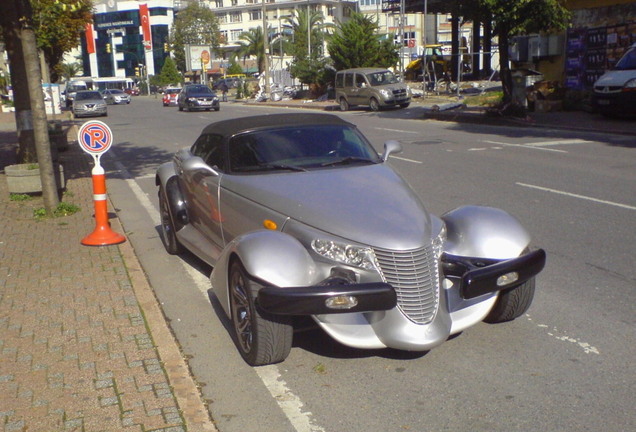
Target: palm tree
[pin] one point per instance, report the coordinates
(252, 46)
(69, 70)
(308, 34)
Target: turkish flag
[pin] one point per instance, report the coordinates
(145, 25)
(90, 38)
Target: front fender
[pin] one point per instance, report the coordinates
(272, 257)
(167, 178)
(484, 232)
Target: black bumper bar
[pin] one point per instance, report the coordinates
(311, 300)
(479, 276)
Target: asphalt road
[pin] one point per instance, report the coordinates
(567, 365)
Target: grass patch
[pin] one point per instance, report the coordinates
(485, 99)
(62, 209)
(19, 197)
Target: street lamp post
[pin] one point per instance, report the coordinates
(266, 52)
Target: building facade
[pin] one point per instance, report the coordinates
(126, 37)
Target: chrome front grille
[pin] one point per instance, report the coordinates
(414, 275)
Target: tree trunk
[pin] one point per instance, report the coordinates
(504, 64)
(23, 116)
(40, 125)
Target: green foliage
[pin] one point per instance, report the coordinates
(70, 70)
(234, 68)
(62, 209)
(19, 197)
(356, 43)
(58, 24)
(169, 73)
(193, 25)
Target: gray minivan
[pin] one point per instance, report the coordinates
(615, 91)
(375, 87)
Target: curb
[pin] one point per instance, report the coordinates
(185, 390)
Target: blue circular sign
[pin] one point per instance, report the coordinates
(95, 137)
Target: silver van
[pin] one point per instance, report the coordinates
(375, 87)
(615, 91)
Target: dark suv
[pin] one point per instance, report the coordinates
(197, 97)
(232, 82)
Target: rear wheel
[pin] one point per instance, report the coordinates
(512, 303)
(169, 235)
(261, 338)
(344, 105)
(374, 104)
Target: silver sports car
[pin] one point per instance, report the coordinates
(298, 215)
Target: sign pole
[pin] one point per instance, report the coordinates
(95, 138)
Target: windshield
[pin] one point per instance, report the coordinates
(88, 95)
(74, 88)
(628, 61)
(382, 78)
(172, 91)
(199, 89)
(299, 149)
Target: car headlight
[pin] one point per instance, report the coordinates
(630, 85)
(191, 99)
(356, 256)
(385, 93)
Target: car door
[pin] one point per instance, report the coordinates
(359, 90)
(202, 192)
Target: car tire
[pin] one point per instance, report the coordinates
(217, 108)
(168, 234)
(180, 108)
(344, 105)
(261, 338)
(404, 105)
(512, 303)
(374, 104)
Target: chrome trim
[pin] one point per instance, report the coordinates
(414, 275)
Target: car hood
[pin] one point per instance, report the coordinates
(370, 205)
(615, 78)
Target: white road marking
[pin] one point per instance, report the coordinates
(525, 146)
(587, 348)
(407, 160)
(573, 195)
(398, 130)
(289, 403)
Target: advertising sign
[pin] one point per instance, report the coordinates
(195, 54)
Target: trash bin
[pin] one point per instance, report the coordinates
(521, 80)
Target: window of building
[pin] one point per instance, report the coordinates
(218, 3)
(255, 14)
(223, 36)
(234, 2)
(331, 11)
(236, 17)
(158, 11)
(222, 18)
(235, 34)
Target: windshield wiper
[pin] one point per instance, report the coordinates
(348, 160)
(281, 167)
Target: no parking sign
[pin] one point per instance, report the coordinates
(95, 138)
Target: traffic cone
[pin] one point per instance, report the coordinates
(102, 235)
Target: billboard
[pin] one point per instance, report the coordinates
(198, 57)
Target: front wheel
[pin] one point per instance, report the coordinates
(169, 235)
(512, 303)
(344, 105)
(261, 338)
(405, 105)
(374, 105)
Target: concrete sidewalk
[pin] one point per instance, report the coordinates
(83, 343)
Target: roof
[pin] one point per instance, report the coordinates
(233, 126)
(364, 70)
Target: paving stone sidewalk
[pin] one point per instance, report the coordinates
(83, 343)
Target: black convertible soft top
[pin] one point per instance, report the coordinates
(233, 126)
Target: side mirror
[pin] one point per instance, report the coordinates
(391, 147)
(196, 163)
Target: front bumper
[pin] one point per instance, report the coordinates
(476, 277)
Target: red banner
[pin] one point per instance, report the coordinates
(90, 38)
(145, 25)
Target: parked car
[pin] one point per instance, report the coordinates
(134, 91)
(197, 97)
(89, 103)
(375, 87)
(615, 90)
(298, 215)
(115, 96)
(170, 96)
(73, 87)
